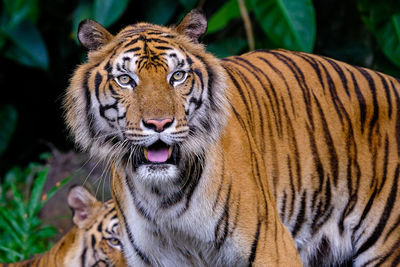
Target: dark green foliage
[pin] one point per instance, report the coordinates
(383, 20)
(17, 26)
(22, 233)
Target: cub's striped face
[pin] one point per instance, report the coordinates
(102, 240)
(96, 240)
(152, 98)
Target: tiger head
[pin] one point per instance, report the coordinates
(149, 97)
(96, 239)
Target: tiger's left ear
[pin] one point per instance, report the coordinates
(193, 25)
(92, 35)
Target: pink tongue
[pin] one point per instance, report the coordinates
(159, 155)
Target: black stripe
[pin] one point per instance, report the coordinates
(387, 91)
(314, 64)
(164, 48)
(372, 88)
(365, 212)
(361, 101)
(338, 69)
(241, 93)
(316, 158)
(384, 217)
(195, 174)
(221, 183)
(300, 215)
(283, 207)
(133, 50)
(210, 82)
(385, 164)
(221, 228)
(93, 241)
(83, 256)
(292, 189)
(337, 104)
(254, 244)
(89, 116)
(332, 155)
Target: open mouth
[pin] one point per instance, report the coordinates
(158, 153)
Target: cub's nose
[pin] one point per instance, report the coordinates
(157, 125)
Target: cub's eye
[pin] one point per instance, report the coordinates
(124, 79)
(114, 242)
(178, 76)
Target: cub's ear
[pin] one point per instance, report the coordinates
(82, 204)
(193, 25)
(92, 35)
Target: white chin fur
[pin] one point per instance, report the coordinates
(157, 175)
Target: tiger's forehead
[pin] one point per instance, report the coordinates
(146, 49)
(146, 29)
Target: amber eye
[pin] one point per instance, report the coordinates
(124, 79)
(178, 76)
(114, 242)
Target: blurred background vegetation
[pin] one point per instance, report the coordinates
(39, 51)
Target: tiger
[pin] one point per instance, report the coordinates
(94, 240)
(270, 158)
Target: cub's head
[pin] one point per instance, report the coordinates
(96, 237)
(149, 98)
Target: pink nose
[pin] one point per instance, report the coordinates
(158, 125)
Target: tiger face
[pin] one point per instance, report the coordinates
(147, 97)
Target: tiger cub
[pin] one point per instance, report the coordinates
(94, 240)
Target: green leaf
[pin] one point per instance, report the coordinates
(18, 10)
(9, 250)
(161, 11)
(220, 19)
(34, 204)
(289, 24)
(383, 20)
(12, 227)
(29, 48)
(19, 202)
(106, 12)
(8, 122)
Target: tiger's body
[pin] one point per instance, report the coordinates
(93, 242)
(270, 158)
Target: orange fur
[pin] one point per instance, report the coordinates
(277, 150)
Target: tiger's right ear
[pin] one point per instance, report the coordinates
(82, 204)
(92, 35)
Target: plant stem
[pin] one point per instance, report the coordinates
(247, 24)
